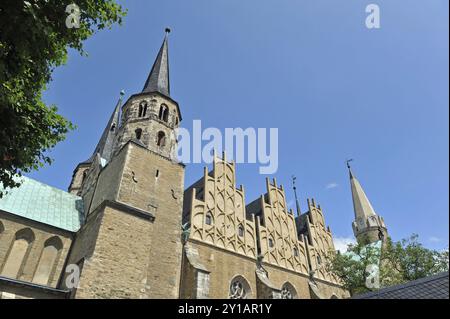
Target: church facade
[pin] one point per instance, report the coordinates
(129, 228)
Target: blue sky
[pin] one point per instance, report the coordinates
(311, 68)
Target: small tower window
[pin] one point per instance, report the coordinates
(319, 260)
(208, 219)
(164, 113)
(157, 173)
(241, 231)
(161, 141)
(295, 252)
(113, 127)
(142, 109)
(271, 243)
(138, 133)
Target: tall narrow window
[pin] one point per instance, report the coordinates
(138, 133)
(241, 231)
(161, 141)
(271, 243)
(48, 261)
(164, 113)
(208, 219)
(319, 260)
(18, 253)
(142, 109)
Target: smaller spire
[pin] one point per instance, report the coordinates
(361, 204)
(106, 143)
(297, 204)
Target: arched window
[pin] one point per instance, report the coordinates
(208, 219)
(164, 113)
(138, 133)
(295, 252)
(239, 288)
(288, 291)
(319, 260)
(271, 244)
(241, 231)
(48, 260)
(84, 175)
(113, 127)
(18, 253)
(142, 109)
(161, 141)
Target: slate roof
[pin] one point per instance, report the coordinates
(433, 287)
(158, 79)
(45, 204)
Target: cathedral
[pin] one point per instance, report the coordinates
(129, 228)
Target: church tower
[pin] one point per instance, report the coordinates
(368, 227)
(132, 190)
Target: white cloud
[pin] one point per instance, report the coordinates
(332, 185)
(434, 239)
(341, 243)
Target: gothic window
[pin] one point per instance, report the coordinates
(48, 261)
(18, 253)
(271, 243)
(142, 109)
(241, 231)
(164, 113)
(113, 127)
(138, 133)
(295, 252)
(239, 288)
(288, 291)
(208, 219)
(161, 141)
(319, 260)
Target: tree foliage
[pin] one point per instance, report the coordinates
(398, 262)
(34, 40)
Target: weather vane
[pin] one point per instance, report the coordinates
(348, 162)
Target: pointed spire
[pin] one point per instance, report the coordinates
(361, 204)
(158, 79)
(297, 204)
(106, 143)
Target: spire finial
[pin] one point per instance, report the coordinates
(294, 186)
(167, 30)
(348, 162)
(122, 93)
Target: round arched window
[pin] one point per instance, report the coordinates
(288, 291)
(239, 288)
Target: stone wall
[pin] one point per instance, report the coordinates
(39, 235)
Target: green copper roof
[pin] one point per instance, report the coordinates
(44, 204)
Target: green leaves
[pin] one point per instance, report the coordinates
(33, 41)
(399, 262)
